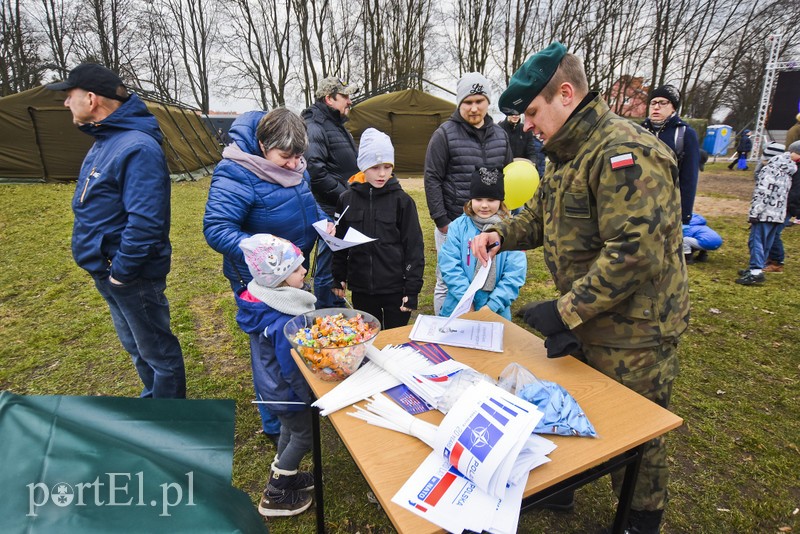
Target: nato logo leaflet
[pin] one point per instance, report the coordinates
(479, 438)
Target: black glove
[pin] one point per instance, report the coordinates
(545, 318)
(752, 220)
(562, 344)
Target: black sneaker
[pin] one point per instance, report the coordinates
(750, 279)
(702, 256)
(689, 258)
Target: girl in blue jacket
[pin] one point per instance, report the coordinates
(458, 266)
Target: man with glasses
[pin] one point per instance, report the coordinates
(663, 120)
(467, 140)
(332, 159)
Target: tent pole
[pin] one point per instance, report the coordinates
(199, 160)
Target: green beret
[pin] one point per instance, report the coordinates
(531, 77)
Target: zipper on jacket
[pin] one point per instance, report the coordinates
(86, 184)
(302, 210)
(374, 232)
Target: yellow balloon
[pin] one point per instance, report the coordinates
(521, 182)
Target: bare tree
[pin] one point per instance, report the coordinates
(474, 27)
(195, 26)
(262, 38)
(160, 71)
(111, 37)
(21, 67)
(59, 21)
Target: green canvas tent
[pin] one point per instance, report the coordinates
(409, 117)
(39, 143)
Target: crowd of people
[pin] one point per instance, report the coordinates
(613, 215)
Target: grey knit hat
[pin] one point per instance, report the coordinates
(472, 83)
(794, 147)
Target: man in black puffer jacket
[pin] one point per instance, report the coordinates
(467, 140)
(331, 158)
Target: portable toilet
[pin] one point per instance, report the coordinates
(718, 136)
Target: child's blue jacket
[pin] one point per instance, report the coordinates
(458, 267)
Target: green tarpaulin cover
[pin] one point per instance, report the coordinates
(104, 464)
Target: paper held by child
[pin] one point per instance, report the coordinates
(483, 335)
(465, 303)
(351, 238)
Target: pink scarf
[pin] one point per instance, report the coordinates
(265, 169)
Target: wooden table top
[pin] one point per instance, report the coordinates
(623, 419)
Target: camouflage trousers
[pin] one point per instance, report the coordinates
(649, 372)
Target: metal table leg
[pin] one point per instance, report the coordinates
(317, 455)
(626, 494)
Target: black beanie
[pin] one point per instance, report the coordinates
(487, 182)
(670, 92)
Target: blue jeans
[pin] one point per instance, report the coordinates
(323, 278)
(269, 422)
(776, 252)
(140, 312)
(762, 234)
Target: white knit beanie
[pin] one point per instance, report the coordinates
(472, 83)
(375, 148)
(270, 259)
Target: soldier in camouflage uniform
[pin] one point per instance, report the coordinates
(607, 215)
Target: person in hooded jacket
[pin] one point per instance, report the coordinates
(122, 219)
(385, 276)
(260, 187)
(667, 125)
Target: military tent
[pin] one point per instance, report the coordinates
(409, 117)
(39, 143)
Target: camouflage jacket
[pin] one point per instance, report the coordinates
(607, 215)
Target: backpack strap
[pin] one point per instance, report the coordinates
(680, 133)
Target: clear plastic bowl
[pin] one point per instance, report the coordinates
(331, 363)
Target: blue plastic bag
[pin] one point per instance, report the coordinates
(742, 163)
(562, 414)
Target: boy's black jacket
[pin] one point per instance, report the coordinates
(395, 262)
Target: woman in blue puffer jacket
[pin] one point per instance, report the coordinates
(261, 187)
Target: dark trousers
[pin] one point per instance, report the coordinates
(140, 312)
(776, 252)
(385, 307)
(259, 345)
(296, 438)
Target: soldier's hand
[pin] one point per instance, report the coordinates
(545, 318)
(485, 245)
(562, 344)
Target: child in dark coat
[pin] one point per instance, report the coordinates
(272, 298)
(385, 276)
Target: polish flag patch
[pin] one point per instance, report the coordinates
(622, 161)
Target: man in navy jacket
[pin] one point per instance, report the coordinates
(668, 126)
(122, 219)
(331, 158)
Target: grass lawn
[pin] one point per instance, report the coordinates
(736, 461)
